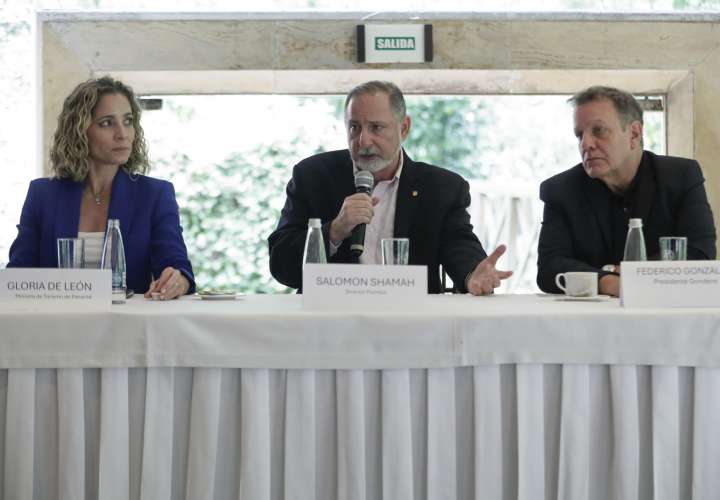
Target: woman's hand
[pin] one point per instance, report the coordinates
(170, 285)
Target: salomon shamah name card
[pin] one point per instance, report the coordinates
(350, 285)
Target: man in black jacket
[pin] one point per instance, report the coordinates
(587, 208)
(424, 203)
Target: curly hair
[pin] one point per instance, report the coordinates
(70, 151)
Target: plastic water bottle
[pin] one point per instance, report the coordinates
(314, 244)
(635, 242)
(113, 258)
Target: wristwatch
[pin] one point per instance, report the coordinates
(611, 268)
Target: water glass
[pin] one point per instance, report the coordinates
(395, 251)
(673, 248)
(71, 253)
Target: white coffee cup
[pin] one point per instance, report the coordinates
(578, 284)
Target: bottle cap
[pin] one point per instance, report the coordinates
(634, 223)
(314, 223)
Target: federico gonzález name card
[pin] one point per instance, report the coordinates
(691, 283)
(53, 288)
(350, 286)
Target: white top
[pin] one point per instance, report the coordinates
(382, 225)
(93, 248)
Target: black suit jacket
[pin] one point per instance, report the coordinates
(431, 210)
(576, 230)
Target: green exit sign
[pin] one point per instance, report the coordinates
(395, 43)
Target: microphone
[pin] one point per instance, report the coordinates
(364, 183)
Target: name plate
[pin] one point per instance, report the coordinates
(353, 285)
(694, 283)
(69, 289)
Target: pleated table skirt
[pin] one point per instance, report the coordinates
(486, 432)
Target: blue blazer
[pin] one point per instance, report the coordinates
(149, 223)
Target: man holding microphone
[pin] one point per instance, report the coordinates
(422, 202)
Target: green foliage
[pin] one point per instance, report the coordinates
(227, 211)
(14, 21)
(11, 29)
(654, 131)
(696, 5)
(447, 132)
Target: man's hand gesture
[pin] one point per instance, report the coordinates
(485, 278)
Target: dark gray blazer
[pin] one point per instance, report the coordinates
(431, 210)
(576, 229)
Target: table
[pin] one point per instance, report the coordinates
(506, 396)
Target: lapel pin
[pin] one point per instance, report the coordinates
(414, 194)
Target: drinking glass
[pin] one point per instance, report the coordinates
(71, 253)
(673, 248)
(395, 251)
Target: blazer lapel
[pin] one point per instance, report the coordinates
(646, 189)
(408, 194)
(346, 180)
(599, 204)
(122, 201)
(67, 211)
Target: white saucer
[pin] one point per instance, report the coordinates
(224, 296)
(595, 298)
(218, 295)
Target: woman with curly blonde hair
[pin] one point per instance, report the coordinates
(99, 161)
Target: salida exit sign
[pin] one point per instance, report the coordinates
(394, 43)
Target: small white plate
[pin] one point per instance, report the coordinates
(595, 298)
(219, 296)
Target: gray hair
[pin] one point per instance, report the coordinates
(625, 104)
(397, 101)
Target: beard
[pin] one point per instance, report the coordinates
(369, 159)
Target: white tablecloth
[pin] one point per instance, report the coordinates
(500, 397)
(274, 331)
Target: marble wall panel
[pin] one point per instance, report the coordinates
(603, 45)
(707, 127)
(169, 45)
